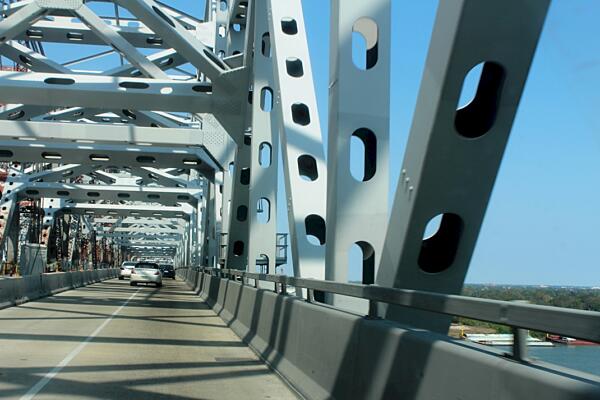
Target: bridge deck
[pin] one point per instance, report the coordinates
(110, 340)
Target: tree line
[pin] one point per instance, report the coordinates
(576, 298)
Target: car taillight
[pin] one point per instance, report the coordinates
(157, 273)
(122, 269)
(133, 271)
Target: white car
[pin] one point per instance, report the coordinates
(146, 272)
(126, 269)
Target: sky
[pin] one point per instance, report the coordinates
(541, 222)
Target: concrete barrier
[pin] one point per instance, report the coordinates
(15, 291)
(327, 353)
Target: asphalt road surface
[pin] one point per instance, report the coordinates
(113, 341)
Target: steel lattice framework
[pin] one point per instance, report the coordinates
(173, 151)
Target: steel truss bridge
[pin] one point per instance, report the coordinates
(166, 138)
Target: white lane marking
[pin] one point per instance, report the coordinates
(50, 375)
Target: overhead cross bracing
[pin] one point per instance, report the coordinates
(134, 110)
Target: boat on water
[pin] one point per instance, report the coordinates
(503, 339)
(570, 341)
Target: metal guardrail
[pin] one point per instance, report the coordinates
(579, 324)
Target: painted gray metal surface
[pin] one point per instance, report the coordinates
(452, 148)
(357, 206)
(163, 155)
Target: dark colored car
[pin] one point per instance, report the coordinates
(167, 271)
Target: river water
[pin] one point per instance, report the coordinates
(582, 358)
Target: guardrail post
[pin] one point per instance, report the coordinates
(373, 314)
(520, 335)
(519, 349)
(310, 295)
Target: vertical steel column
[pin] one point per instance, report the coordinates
(12, 240)
(453, 154)
(239, 223)
(219, 212)
(221, 21)
(304, 160)
(210, 243)
(9, 206)
(50, 206)
(204, 234)
(359, 101)
(237, 238)
(265, 145)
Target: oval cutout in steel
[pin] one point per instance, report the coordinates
(238, 248)
(242, 213)
(99, 157)
(245, 176)
(145, 159)
(477, 118)
(263, 210)
(294, 67)
(49, 155)
(300, 114)
(134, 85)
(363, 154)
(365, 42)
(202, 89)
(266, 99)
(307, 167)
(315, 229)
(265, 155)
(59, 81)
(289, 26)
(439, 249)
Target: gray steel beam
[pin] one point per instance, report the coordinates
(113, 39)
(453, 155)
(30, 59)
(152, 15)
(20, 21)
(359, 102)
(303, 156)
(128, 210)
(134, 140)
(36, 62)
(105, 92)
(262, 207)
(115, 193)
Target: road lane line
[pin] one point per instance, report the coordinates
(50, 375)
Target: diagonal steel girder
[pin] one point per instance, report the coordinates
(20, 21)
(175, 34)
(112, 38)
